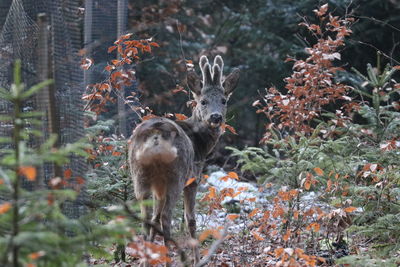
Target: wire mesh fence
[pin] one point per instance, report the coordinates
(49, 35)
(19, 39)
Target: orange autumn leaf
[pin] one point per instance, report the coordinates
(180, 117)
(286, 236)
(154, 44)
(36, 255)
(350, 209)
(233, 175)
(1, 181)
(296, 215)
(5, 207)
(126, 36)
(328, 185)
(28, 171)
(31, 265)
(224, 178)
(80, 180)
(209, 232)
(225, 126)
(307, 184)
(68, 173)
(316, 227)
(109, 147)
(204, 252)
(253, 212)
(117, 153)
(212, 192)
(232, 216)
(179, 89)
(109, 68)
(111, 48)
(278, 211)
(257, 236)
(148, 117)
(278, 252)
(321, 11)
(205, 176)
(319, 171)
(190, 181)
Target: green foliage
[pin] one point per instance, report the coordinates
(367, 261)
(108, 179)
(286, 161)
(34, 228)
(254, 35)
(255, 160)
(347, 162)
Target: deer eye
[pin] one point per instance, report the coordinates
(223, 101)
(203, 102)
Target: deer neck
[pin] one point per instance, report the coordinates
(203, 137)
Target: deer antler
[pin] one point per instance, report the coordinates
(217, 70)
(205, 70)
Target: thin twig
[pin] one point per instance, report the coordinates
(377, 49)
(180, 42)
(383, 23)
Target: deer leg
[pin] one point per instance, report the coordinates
(166, 214)
(156, 220)
(190, 216)
(145, 211)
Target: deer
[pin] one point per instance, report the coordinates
(163, 154)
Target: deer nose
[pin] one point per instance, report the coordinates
(215, 118)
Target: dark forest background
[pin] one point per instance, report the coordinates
(254, 35)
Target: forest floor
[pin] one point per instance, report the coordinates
(240, 246)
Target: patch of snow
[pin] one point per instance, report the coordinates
(215, 180)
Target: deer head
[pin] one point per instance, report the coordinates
(211, 93)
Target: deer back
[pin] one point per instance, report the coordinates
(160, 155)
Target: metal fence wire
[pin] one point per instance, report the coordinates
(19, 34)
(47, 35)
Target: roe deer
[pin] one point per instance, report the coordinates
(163, 154)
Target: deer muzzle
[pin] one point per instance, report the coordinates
(215, 120)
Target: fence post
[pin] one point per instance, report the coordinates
(45, 98)
(88, 37)
(121, 28)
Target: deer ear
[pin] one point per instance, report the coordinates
(194, 82)
(231, 81)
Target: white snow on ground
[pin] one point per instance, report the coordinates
(263, 201)
(218, 217)
(215, 180)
